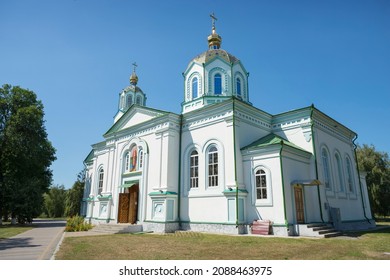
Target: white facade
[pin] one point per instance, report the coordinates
(222, 163)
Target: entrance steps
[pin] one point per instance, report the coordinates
(117, 228)
(317, 230)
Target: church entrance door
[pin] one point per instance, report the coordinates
(128, 205)
(299, 205)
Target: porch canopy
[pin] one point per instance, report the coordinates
(128, 184)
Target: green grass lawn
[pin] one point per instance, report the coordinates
(198, 246)
(7, 230)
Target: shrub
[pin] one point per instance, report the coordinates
(77, 223)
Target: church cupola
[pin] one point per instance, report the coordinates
(214, 39)
(214, 76)
(130, 95)
(133, 78)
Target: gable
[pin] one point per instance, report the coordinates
(135, 115)
(272, 140)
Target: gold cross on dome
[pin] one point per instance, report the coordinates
(213, 19)
(135, 66)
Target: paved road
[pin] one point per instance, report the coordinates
(36, 244)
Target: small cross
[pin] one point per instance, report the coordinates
(135, 66)
(213, 19)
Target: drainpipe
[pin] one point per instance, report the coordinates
(235, 161)
(360, 181)
(315, 160)
(282, 174)
(179, 177)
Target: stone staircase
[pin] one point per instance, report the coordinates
(318, 230)
(117, 228)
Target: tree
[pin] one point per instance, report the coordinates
(54, 204)
(25, 154)
(377, 166)
(75, 195)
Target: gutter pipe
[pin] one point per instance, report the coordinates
(283, 191)
(360, 181)
(315, 160)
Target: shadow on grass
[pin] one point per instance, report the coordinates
(357, 234)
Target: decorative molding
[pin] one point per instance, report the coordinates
(189, 85)
(218, 117)
(253, 120)
(292, 123)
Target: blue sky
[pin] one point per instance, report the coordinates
(76, 55)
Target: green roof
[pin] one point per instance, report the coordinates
(158, 193)
(269, 140)
(90, 156)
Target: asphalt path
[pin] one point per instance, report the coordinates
(38, 243)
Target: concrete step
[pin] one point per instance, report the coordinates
(316, 225)
(319, 230)
(322, 228)
(332, 234)
(117, 228)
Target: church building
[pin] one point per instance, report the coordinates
(222, 163)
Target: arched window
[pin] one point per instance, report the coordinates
(138, 100)
(238, 87)
(129, 101)
(194, 170)
(212, 162)
(326, 168)
(350, 181)
(127, 162)
(122, 105)
(194, 88)
(217, 84)
(261, 184)
(100, 183)
(339, 172)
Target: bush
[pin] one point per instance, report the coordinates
(77, 223)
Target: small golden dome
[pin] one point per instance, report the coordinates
(134, 79)
(214, 40)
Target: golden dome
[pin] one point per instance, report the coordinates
(214, 40)
(133, 79)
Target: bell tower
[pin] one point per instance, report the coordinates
(130, 95)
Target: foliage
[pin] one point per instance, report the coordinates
(74, 196)
(377, 166)
(25, 154)
(54, 205)
(77, 223)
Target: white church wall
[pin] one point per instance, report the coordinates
(219, 135)
(211, 209)
(273, 209)
(297, 132)
(295, 168)
(339, 196)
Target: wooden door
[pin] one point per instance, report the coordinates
(128, 205)
(123, 212)
(133, 204)
(299, 205)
